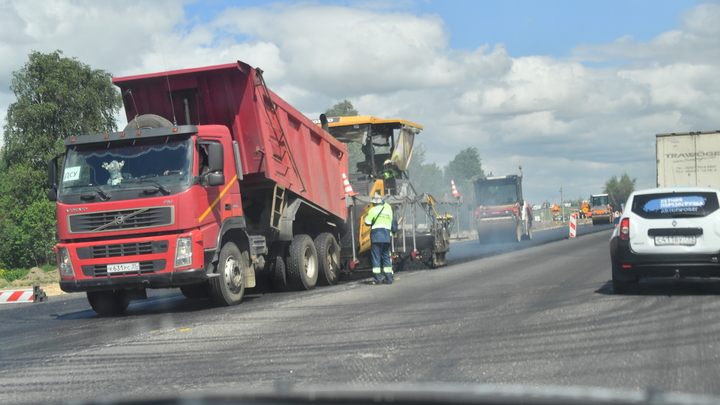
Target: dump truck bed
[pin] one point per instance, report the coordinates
(278, 145)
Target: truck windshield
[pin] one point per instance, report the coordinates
(598, 200)
(496, 192)
(108, 169)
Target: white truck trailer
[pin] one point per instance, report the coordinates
(688, 159)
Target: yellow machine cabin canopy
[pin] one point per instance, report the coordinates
(372, 131)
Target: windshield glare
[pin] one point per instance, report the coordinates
(122, 165)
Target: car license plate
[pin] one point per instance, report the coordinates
(680, 240)
(123, 267)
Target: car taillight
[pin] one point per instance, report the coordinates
(625, 229)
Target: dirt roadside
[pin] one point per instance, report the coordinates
(48, 282)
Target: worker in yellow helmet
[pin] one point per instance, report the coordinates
(382, 225)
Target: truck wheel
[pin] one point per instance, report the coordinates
(195, 291)
(328, 252)
(228, 288)
(147, 121)
(278, 269)
(302, 263)
(108, 303)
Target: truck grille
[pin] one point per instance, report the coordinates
(108, 221)
(146, 267)
(122, 249)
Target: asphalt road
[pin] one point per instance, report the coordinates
(541, 315)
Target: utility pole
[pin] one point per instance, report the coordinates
(562, 207)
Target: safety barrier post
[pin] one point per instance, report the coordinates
(35, 294)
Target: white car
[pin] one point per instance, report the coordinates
(666, 232)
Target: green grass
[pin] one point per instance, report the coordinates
(14, 274)
(17, 274)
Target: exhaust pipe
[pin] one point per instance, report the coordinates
(324, 123)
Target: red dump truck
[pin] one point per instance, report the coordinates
(214, 180)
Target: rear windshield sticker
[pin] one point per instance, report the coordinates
(675, 204)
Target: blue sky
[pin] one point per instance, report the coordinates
(574, 91)
(526, 27)
(553, 28)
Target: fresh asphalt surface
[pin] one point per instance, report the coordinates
(535, 313)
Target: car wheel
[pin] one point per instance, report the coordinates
(622, 285)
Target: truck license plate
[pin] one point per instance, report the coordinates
(683, 240)
(123, 267)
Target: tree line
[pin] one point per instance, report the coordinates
(58, 97)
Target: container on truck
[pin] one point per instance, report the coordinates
(688, 159)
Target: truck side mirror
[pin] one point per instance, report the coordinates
(52, 179)
(215, 164)
(52, 172)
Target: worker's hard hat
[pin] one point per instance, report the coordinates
(388, 162)
(377, 199)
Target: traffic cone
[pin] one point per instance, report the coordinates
(348, 188)
(454, 189)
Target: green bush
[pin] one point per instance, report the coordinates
(12, 275)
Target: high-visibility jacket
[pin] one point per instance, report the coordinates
(383, 222)
(389, 173)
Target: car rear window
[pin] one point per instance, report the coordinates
(673, 205)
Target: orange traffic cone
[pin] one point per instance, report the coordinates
(348, 188)
(454, 190)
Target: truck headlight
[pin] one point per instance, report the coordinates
(183, 252)
(64, 263)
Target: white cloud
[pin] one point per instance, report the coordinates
(345, 52)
